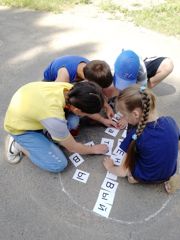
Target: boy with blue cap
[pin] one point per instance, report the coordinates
(130, 69)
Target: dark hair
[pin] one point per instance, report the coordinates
(133, 97)
(99, 72)
(86, 96)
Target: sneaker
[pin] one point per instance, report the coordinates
(14, 155)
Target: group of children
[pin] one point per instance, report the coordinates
(75, 87)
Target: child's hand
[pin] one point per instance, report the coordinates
(109, 123)
(109, 111)
(108, 163)
(122, 123)
(100, 149)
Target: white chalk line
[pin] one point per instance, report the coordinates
(114, 219)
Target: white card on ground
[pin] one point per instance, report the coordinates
(112, 131)
(116, 150)
(117, 159)
(76, 159)
(124, 134)
(109, 143)
(111, 176)
(118, 115)
(91, 143)
(119, 152)
(106, 197)
(81, 176)
(109, 185)
(102, 209)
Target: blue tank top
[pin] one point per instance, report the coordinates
(69, 62)
(157, 150)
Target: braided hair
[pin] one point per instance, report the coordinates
(136, 97)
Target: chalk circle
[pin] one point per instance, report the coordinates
(132, 203)
(53, 192)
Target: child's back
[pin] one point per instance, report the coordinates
(157, 150)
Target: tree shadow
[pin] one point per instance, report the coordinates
(26, 48)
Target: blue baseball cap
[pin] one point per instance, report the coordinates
(126, 69)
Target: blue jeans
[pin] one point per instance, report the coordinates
(42, 151)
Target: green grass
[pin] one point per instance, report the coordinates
(56, 6)
(164, 18)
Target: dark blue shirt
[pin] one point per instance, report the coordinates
(69, 62)
(157, 150)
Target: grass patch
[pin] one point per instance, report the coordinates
(164, 18)
(56, 6)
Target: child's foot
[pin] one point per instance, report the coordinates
(14, 155)
(172, 184)
(132, 180)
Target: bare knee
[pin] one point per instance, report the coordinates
(166, 66)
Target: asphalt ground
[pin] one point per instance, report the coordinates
(35, 204)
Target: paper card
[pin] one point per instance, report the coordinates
(106, 197)
(115, 120)
(109, 143)
(109, 185)
(111, 176)
(116, 150)
(102, 209)
(117, 116)
(117, 159)
(91, 143)
(81, 176)
(112, 131)
(76, 159)
(124, 134)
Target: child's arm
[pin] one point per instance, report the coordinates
(105, 121)
(73, 146)
(63, 75)
(120, 170)
(108, 109)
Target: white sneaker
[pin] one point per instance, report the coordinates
(14, 155)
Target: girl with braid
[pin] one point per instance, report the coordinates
(151, 147)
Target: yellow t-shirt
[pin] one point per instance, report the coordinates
(33, 103)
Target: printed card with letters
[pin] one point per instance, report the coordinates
(102, 208)
(81, 176)
(109, 185)
(124, 134)
(117, 159)
(76, 159)
(109, 143)
(106, 197)
(116, 150)
(112, 131)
